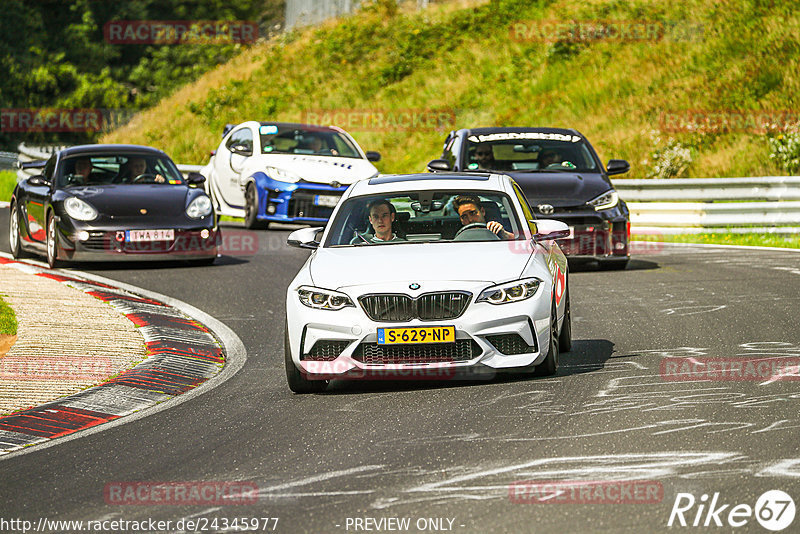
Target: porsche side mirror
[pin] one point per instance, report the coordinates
(438, 165)
(373, 156)
(547, 229)
(617, 166)
(305, 238)
(38, 181)
(195, 178)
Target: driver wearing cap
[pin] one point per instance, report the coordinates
(470, 211)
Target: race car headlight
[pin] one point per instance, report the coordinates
(607, 200)
(282, 175)
(323, 299)
(199, 207)
(510, 291)
(79, 210)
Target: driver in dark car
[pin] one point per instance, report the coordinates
(470, 211)
(134, 168)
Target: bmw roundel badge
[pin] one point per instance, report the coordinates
(414, 286)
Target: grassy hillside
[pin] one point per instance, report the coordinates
(734, 55)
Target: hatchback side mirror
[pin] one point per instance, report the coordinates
(617, 166)
(438, 165)
(373, 156)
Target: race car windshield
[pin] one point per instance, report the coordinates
(528, 152)
(425, 216)
(108, 169)
(277, 139)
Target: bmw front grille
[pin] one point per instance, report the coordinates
(428, 307)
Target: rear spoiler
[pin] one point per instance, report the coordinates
(36, 164)
(227, 128)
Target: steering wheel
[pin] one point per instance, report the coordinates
(145, 178)
(475, 232)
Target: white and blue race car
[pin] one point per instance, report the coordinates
(284, 172)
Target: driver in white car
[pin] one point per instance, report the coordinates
(470, 211)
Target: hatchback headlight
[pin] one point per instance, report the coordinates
(323, 299)
(607, 200)
(510, 291)
(199, 207)
(79, 209)
(282, 175)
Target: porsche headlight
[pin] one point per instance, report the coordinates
(510, 291)
(199, 207)
(281, 175)
(79, 210)
(323, 299)
(607, 200)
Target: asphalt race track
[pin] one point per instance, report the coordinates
(445, 453)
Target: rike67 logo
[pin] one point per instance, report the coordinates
(774, 510)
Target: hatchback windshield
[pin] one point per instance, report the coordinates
(528, 151)
(277, 139)
(425, 216)
(119, 169)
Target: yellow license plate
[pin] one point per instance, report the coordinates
(417, 334)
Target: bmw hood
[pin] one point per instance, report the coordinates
(491, 262)
(129, 200)
(561, 188)
(320, 169)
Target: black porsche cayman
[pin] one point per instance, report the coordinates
(112, 202)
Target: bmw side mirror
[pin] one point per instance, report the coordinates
(617, 166)
(305, 238)
(373, 156)
(38, 181)
(438, 165)
(547, 229)
(195, 178)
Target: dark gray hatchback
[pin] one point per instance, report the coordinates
(562, 177)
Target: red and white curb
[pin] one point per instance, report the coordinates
(182, 354)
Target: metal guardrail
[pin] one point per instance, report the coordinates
(766, 204)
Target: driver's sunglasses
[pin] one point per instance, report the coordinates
(467, 214)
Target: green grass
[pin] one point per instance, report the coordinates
(8, 180)
(460, 56)
(758, 240)
(8, 321)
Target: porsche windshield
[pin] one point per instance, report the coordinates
(277, 139)
(425, 216)
(108, 169)
(528, 152)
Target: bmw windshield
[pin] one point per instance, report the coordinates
(425, 216)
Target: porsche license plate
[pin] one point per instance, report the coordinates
(417, 334)
(137, 236)
(328, 201)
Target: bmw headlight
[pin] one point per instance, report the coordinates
(199, 207)
(323, 299)
(607, 200)
(79, 210)
(282, 175)
(510, 291)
